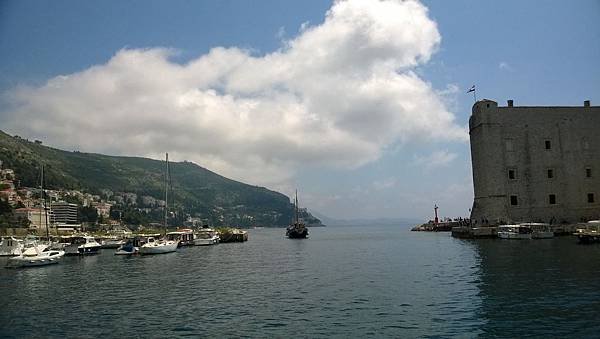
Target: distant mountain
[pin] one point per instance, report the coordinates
(196, 190)
(368, 222)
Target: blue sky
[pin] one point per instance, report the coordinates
(537, 53)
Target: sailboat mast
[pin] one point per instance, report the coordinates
(41, 193)
(296, 205)
(166, 192)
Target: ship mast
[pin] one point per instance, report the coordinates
(166, 192)
(296, 205)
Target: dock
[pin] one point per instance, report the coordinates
(468, 232)
(232, 235)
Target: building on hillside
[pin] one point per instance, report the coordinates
(37, 217)
(103, 208)
(8, 173)
(130, 198)
(148, 200)
(64, 212)
(534, 164)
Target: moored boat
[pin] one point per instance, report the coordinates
(515, 231)
(206, 236)
(589, 232)
(160, 246)
(10, 246)
(539, 230)
(38, 258)
(155, 246)
(81, 245)
(32, 245)
(111, 243)
(297, 230)
(127, 249)
(185, 237)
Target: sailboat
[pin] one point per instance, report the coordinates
(34, 254)
(297, 230)
(159, 246)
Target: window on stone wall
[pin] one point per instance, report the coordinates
(513, 200)
(550, 173)
(548, 144)
(512, 174)
(509, 145)
(552, 199)
(590, 198)
(588, 172)
(585, 144)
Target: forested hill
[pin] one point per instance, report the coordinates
(196, 190)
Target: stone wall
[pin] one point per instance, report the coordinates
(533, 153)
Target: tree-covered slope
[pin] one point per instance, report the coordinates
(196, 190)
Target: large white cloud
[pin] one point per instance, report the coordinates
(338, 94)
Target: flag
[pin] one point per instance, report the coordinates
(472, 89)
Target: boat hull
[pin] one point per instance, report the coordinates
(510, 235)
(293, 233)
(133, 251)
(206, 241)
(542, 235)
(170, 246)
(588, 238)
(43, 259)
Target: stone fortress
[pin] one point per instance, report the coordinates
(534, 164)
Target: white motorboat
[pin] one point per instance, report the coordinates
(206, 236)
(32, 245)
(10, 246)
(539, 230)
(82, 245)
(154, 246)
(185, 237)
(39, 258)
(514, 232)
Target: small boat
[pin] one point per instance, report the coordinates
(10, 246)
(127, 249)
(589, 233)
(154, 246)
(185, 237)
(539, 230)
(297, 230)
(206, 236)
(111, 243)
(38, 258)
(515, 231)
(82, 245)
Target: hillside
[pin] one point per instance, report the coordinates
(196, 190)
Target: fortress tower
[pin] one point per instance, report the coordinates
(535, 164)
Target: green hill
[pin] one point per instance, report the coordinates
(196, 190)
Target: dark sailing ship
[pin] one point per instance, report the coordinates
(297, 230)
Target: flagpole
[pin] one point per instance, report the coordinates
(472, 89)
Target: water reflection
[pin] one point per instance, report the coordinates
(542, 287)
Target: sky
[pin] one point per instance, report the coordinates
(361, 104)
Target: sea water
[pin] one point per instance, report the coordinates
(353, 281)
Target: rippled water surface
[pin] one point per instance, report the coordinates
(342, 282)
